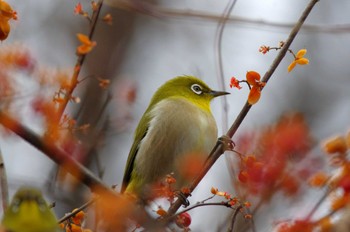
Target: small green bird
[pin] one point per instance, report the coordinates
(29, 212)
(177, 123)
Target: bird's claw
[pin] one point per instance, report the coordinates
(228, 144)
(180, 195)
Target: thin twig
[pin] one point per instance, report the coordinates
(81, 208)
(3, 184)
(259, 204)
(318, 204)
(221, 78)
(328, 215)
(193, 15)
(218, 149)
(74, 80)
(233, 220)
(252, 222)
(199, 204)
(219, 66)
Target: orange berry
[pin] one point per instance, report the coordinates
(254, 95)
(318, 180)
(233, 202)
(214, 190)
(339, 202)
(325, 224)
(252, 77)
(170, 179)
(235, 83)
(78, 218)
(75, 228)
(249, 160)
(161, 212)
(247, 204)
(183, 220)
(345, 184)
(80, 215)
(248, 216)
(4, 29)
(243, 176)
(290, 185)
(335, 145)
(255, 173)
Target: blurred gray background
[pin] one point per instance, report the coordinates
(153, 41)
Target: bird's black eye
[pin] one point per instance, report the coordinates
(197, 89)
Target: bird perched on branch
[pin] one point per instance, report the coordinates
(175, 135)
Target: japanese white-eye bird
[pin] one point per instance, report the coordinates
(29, 212)
(177, 123)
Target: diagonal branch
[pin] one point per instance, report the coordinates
(219, 147)
(63, 159)
(53, 152)
(75, 212)
(189, 15)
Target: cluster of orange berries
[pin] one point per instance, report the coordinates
(337, 148)
(232, 201)
(338, 185)
(273, 154)
(74, 223)
(254, 84)
(298, 58)
(86, 44)
(253, 78)
(183, 220)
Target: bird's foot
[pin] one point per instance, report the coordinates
(227, 143)
(180, 195)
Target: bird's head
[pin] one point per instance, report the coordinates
(189, 88)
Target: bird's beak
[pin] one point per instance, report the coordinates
(218, 93)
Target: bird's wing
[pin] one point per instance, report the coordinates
(140, 133)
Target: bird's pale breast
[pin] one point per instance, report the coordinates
(177, 128)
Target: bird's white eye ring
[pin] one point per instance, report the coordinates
(197, 89)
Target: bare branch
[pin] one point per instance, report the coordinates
(218, 149)
(81, 208)
(194, 15)
(219, 65)
(69, 164)
(233, 220)
(53, 152)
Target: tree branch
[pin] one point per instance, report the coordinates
(203, 16)
(63, 159)
(218, 149)
(81, 208)
(53, 152)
